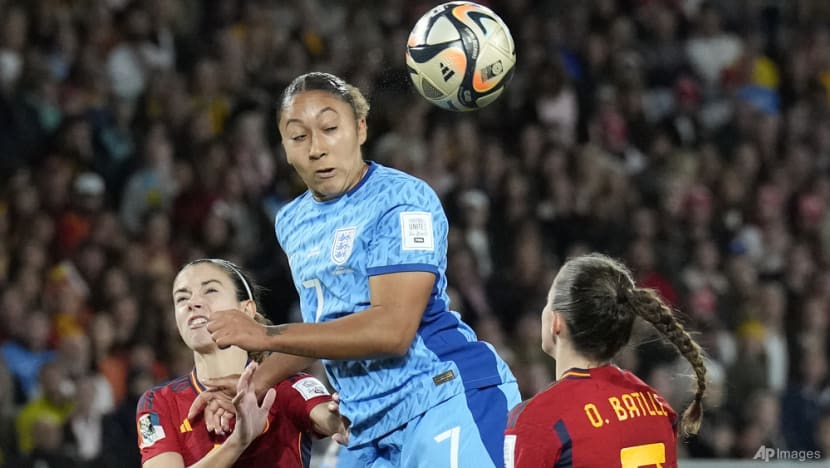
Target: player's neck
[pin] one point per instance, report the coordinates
(220, 363)
(567, 358)
(361, 173)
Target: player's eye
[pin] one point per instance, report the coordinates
(211, 290)
(180, 299)
(298, 138)
(330, 129)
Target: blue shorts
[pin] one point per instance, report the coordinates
(465, 431)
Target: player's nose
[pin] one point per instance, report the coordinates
(316, 149)
(195, 303)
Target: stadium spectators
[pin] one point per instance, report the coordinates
(690, 138)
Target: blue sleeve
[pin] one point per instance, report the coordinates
(278, 220)
(411, 235)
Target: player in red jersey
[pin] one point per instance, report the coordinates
(596, 414)
(276, 433)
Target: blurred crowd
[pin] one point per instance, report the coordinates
(690, 139)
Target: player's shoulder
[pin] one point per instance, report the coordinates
(626, 378)
(400, 183)
(615, 379)
(529, 415)
(558, 397)
(629, 376)
(306, 385)
(163, 392)
(296, 204)
(538, 406)
(635, 383)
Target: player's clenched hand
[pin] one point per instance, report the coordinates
(215, 404)
(250, 416)
(233, 327)
(342, 434)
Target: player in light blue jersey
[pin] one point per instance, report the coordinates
(367, 246)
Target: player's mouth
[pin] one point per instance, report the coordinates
(327, 173)
(197, 321)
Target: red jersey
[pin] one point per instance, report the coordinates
(604, 417)
(163, 426)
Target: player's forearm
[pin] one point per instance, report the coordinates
(362, 335)
(324, 421)
(277, 367)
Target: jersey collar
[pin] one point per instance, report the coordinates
(194, 381)
(372, 167)
(576, 373)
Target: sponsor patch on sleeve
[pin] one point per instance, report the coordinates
(149, 430)
(416, 231)
(310, 387)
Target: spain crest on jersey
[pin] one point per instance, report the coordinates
(341, 247)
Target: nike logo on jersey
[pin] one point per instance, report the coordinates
(310, 253)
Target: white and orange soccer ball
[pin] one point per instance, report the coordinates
(460, 56)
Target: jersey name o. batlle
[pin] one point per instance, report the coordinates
(597, 417)
(161, 417)
(389, 222)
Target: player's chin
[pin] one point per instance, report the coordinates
(202, 344)
(329, 189)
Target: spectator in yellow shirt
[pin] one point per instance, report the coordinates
(53, 402)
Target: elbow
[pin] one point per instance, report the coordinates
(396, 345)
(399, 350)
(388, 334)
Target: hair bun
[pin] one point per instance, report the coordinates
(623, 297)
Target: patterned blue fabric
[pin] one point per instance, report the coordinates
(464, 431)
(390, 222)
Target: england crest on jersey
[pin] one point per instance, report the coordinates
(343, 243)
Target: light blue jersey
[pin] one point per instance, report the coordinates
(390, 222)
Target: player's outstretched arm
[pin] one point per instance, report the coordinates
(386, 328)
(327, 421)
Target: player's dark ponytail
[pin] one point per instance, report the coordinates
(599, 301)
(588, 291)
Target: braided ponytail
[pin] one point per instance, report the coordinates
(650, 307)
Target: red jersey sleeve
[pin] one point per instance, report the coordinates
(530, 441)
(156, 432)
(298, 395)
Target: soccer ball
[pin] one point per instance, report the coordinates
(460, 56)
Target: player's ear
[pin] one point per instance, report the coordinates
(249, 308)
(361, 130)
(556, 324)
